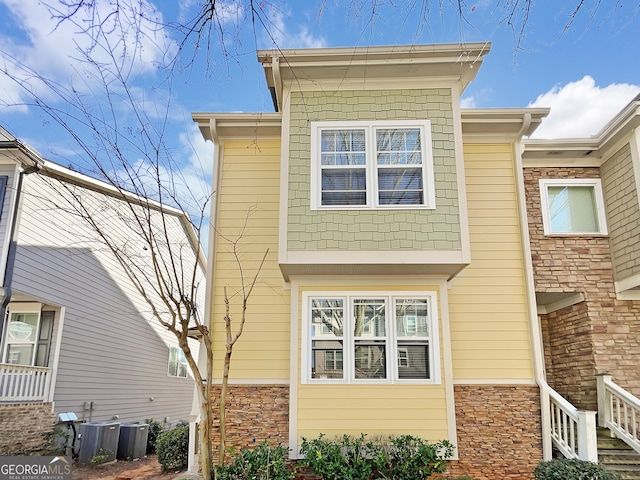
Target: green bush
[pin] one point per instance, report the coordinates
(266, 462)
(155, 428)
(173, 448)
(566, 469)
(407, 457)
(346, 458)
(393, 458)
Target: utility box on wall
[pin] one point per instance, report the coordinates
(98, 440)
(133, 441)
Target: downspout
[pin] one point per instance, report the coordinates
(193, 458)
(534, 323)
(13, 245)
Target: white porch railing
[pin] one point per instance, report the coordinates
(20, 383)
(573, 431)
(619, 411)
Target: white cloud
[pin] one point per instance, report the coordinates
(53, 49)
(279, 35)
(468, 102)
(581, 109)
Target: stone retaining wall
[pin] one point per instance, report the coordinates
(499, 433)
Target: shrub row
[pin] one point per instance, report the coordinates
(344, 458)
(566, 469)
(403, 457)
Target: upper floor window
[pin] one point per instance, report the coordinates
(363, 337)
(377, 164)
(177, 363)
(572, 206)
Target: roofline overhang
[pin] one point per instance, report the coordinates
(457, 61)
(589, 151)
(487, 124)
(32, 161)
(217, 127)
(29, 159)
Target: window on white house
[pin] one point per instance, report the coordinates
(372, 165)
(27, 335)
(572, 206)
(370, 338)
(21, 338)
(177, 363)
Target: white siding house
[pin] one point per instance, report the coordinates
(77, 333)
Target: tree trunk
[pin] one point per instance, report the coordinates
(223, 406)
(206, 457)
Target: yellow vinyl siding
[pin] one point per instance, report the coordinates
(373, 409)
(336, 409)
(248, 207)
(490, 337)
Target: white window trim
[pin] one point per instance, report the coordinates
(391, 338)
(186, 375)
(24, 307)
(596, 183)
(428, 178)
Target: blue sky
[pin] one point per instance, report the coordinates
(585, 73)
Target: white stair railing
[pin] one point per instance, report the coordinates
(21, 383)
(573, 431)
(619, 411)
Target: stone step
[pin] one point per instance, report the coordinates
(617, 456)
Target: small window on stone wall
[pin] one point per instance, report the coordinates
(572, 207)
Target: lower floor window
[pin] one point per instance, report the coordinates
(362, 337)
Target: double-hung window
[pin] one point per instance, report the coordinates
(28, 335)
(177, 363)
(359, 337)
(377, 164)
(572, 207)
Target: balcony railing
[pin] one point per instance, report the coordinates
(619, 411)
(21, 383)
(573, 431)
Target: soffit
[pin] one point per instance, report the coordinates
(511, 123)
(453, 62)
(220, 126)
(588, 151)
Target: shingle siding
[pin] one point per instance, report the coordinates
(621, 197)
(437, 229)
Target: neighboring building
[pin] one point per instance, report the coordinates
(584, 222)
(397, 295)
(78, 337)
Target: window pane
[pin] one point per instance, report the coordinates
(400, 186)
(413, 360)
(343, 147)
(370, 360)
(572, 209)
(327, 317)
(412, 318)
(23, 327)
(344, 179)
(19, 354)
(369, 318)
(327, 359)
(398, 146)
(344, 186)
